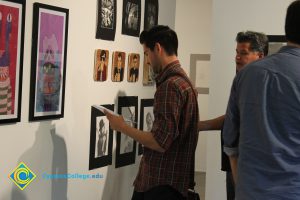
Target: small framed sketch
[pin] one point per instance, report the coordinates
(151, 14)
(126, 146)
(101, 139)
(101, 65)
(133, 67)
(118, 65)
(12, 22)
(146, 118)
(276, 42)
(148, 79)
(48, 62)
(106, 19)
(131, 21)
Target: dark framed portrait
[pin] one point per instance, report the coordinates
(118, 66)
(48, 62)
(126, 146)
(101, 65)
(12, 24)
(106, 19)
(146, 118)
(133, 67)
(275, 43)
(151, 14)
(101, 139)
(131, 20)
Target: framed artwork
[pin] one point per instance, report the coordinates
(133, 67)
(101, 139)
(48, 62)
(151, 14)
(12, 24)
(106, 19)
(148, 79)
(131, 22)
(126, 146)
(101, 65)
(146, 118)
(275, 43)
(118, 66)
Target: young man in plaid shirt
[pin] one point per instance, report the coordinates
(169, 148)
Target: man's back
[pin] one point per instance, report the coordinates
(268, 93)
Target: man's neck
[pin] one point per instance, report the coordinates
(167, 60)
(293, 44)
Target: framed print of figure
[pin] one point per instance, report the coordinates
(12, 22)
(101, 139)
(148, 79)
(131, 22)
(48, 62)
(118, 65)
(106, 19)
(133, 67)
(151, 14)
(146, 118)
(101, 65)
(276, 42)
(126, 146)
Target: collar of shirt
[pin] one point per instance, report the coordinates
(165, 73)
(290, 49)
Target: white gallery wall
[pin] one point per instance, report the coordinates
(193, 26)
(62, 146)
(230, 17)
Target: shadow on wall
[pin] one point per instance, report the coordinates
(48, 155)
(118, 183)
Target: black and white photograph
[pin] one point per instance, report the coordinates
(126, 146)
(131, 21)
(275, 43)
(151, 14)
(106, 22)
(146, 118)
(101, 139)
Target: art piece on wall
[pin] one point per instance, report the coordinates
(148, 79)
(146, 118)
(118, 65)
(133, 67)
(101, 139)
(106, 19)
(131, 22)
(101, 65)
(126, 146)
(151, 14)
(48, 62)
(12, 22)
(275, 43)
(199, 65)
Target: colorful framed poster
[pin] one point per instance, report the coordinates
(151, 14)
(101, 65)
(133, 67)
(12, 22)
(131, 21)
(148, 78)
(146, 118)
(118, 65)
(126, 146)
(101, 139)
(106, 22)
(48, 62)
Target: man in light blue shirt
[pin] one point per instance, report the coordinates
(263, 115)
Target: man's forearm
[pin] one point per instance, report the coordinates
(212, 124)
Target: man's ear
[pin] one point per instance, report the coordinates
(157, 47)
(261, 55)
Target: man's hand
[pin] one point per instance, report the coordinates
(116, 122)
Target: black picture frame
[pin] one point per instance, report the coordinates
(11, 67)
(106, 19)
(275, 43)
(48, 62)
(145, 103)
(131, 20)
(98, 158)
(151, 14)
(126, 146)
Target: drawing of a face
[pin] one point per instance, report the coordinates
(107, 13)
